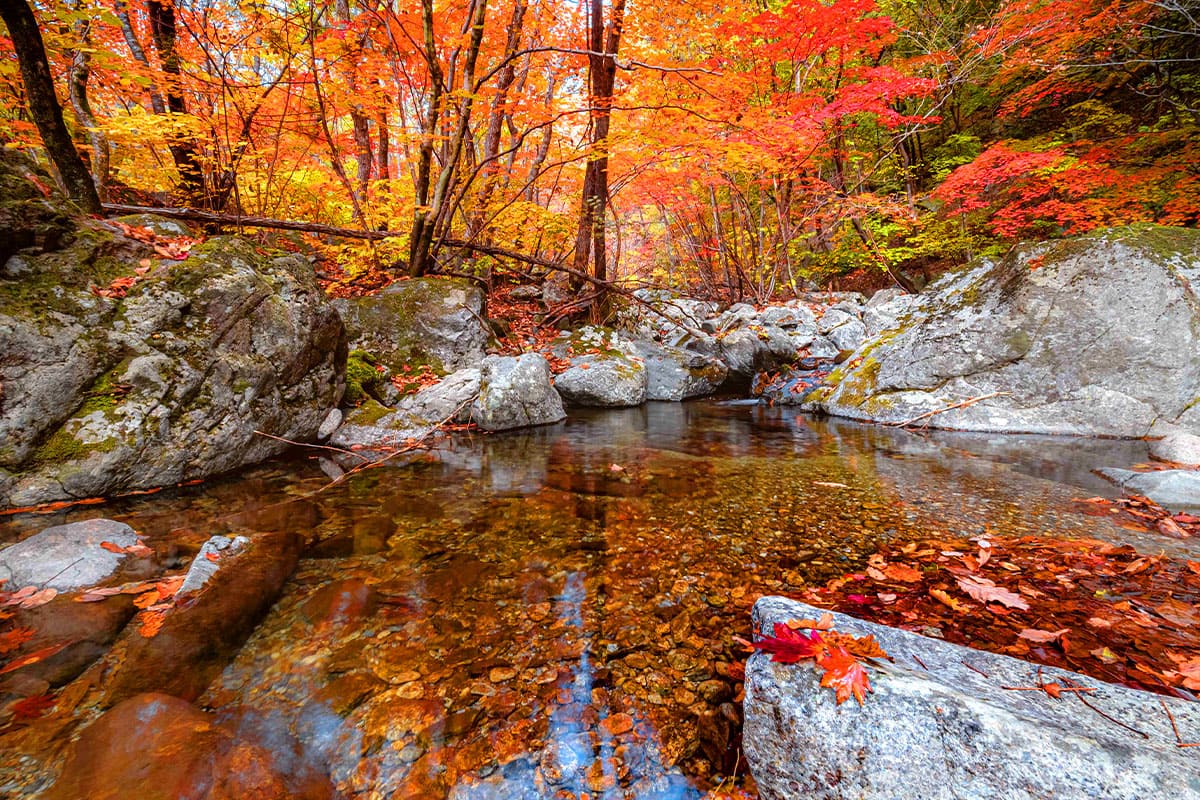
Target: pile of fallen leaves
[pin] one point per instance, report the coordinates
(1141, 514)
(1104, 610)
(840, 656)
(175, 248)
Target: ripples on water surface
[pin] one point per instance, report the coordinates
(552, 612)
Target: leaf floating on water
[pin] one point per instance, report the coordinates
(943, 597)
(1035, 635)
(986, 591)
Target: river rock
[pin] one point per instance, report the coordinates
(845, 330)
(434, 321)
(1174, 489)
(449, 399)
(66, 557)
(159, 226)
(935, 729)
(170, 381)
(660, 313)
(332, 420)
(673, 373)
(212, 556)
(604, 371)
(1097, 336)
(1179, 448)
(375, 427)
(605, 381)
(198, 638)
(516, 392)
(158, 747)
(84, 630)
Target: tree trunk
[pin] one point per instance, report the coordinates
(80, 72)
(139, 53)
(43, 104)
(602, 72)
(436, 215)
(183, 148)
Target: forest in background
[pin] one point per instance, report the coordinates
(739, 150)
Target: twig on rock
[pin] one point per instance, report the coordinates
(970, 401)
(1179, 742)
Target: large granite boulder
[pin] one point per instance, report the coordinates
(605, 370)
(380, 429)
(675, 373)
(516, 392)
(434, 321)
(1097, 336)
(940, 725)
(116, 380)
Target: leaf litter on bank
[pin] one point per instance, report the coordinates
(1103, 610)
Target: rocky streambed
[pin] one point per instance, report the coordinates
(533, 614)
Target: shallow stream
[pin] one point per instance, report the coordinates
(551, 613)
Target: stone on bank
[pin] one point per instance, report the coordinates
(935, 729)
(1093, 336)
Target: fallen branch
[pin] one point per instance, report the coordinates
(970, 401)
(1179, 742)
(197, 215)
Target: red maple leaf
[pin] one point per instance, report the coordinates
(788, 646)
(32, 707)
(844, 674)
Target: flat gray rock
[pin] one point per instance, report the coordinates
(944, 731)
(66, 557)
(1180, 448)
(1174, 489)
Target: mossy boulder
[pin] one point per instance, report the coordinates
(423, 321)
(33, 214)
(124, 370)
(1097, 336)
(605, 369)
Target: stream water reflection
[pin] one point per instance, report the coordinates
(551, 613)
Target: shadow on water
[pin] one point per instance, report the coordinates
(552, 613)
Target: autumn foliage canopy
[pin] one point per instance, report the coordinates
(746, 148)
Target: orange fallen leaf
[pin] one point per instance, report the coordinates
(945, 599)
(32, 658)
(845, 675)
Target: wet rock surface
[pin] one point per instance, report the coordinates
(1174, 489)
(516, 392)
(1178, 447)
(67, 557)
(1019, 346)
(159, 747)
(197, 638)
(938, 727)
